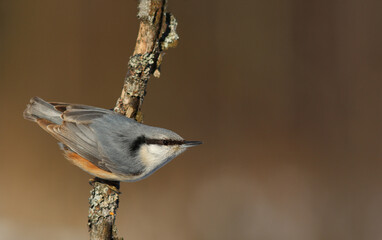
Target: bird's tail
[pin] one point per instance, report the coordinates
(40, 109)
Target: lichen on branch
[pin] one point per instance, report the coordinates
(157, 32)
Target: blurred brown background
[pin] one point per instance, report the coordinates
(285, 95)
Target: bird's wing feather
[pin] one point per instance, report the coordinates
(75, 133)
(99, 135)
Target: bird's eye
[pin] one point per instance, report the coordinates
(165, 142)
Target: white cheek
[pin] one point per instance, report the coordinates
(158, 152)
(153, 155)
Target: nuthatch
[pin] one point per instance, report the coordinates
(106, 144)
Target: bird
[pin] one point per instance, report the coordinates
(104, 143)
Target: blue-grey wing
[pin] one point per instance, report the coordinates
(75, 133)
(101, 136)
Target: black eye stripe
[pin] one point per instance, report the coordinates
(135, 145)
(163, 141)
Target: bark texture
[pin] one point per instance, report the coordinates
(157, 32)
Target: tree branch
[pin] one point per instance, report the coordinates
(157, 32)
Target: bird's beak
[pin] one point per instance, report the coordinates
(191, 143)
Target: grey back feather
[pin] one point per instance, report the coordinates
(115, 134)
(99, 136)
